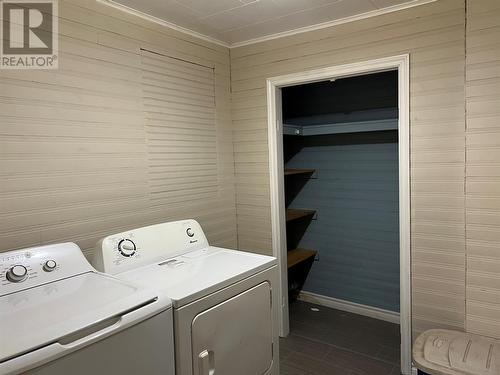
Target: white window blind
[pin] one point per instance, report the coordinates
(179, 112)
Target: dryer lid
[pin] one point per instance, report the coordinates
(193, 275)
(49, 313)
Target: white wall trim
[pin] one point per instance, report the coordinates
(324, 25)
(278, 216)
(159, 21)
(283, 34)
(352, 307)
(275, 145)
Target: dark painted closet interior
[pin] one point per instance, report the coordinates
(341, 189)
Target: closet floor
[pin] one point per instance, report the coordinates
(334, 342)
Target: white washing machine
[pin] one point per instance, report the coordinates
(58, 316)
(225, 303)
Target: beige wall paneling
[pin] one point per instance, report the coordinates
(75, 158)
(433, 35)
(483, 167)
(179, 111)
(74, 152)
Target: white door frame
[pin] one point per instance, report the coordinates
(400, 63)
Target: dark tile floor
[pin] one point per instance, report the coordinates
(333, 342)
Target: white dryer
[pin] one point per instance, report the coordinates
(225, 302)
(58, 316)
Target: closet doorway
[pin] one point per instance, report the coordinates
(279, 200)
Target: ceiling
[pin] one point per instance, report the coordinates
(234, 22)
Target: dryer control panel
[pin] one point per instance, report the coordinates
(143, 246)
(26, 268)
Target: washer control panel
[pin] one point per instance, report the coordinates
(17, 273)
(156, 243)
(21, 269)
(50, 265)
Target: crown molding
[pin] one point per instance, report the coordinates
(323, 25)
(300, 30)
(159, 21)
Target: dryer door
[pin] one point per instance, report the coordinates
(235, 336)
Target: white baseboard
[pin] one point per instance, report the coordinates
(355, 308)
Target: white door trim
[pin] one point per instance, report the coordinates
(400, 63)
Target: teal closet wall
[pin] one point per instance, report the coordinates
(356, 231)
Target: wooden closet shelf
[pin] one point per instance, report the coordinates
(299, 255)
(298, 172)
(294, 214)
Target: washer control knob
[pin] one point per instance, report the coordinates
(189, 232)
(49, 265)
(126, 247)
(17, 273)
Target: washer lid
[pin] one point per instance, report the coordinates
(48, 313)
(196, 274)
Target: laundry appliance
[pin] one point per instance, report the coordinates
(225, 301)
(59, 316)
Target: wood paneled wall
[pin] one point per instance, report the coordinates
(73, 145)
(434, 36)
(356, 230)
(74, 155)
(483, 167)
